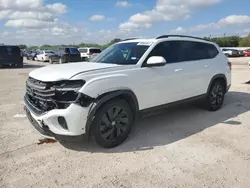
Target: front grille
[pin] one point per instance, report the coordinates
(46, 96)
(40, 95)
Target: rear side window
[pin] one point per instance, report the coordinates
(191, 51)
(92, 51)
(73, 50)
(179, 51)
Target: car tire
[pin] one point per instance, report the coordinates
(112, 123)
(215, 96)
(50, 61)
(20, 65)
(60, 61)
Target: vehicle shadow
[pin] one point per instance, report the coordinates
(25, 65)
(173, 125)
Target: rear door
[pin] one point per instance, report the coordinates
(73, 55)
(12, 54)
(197, 69)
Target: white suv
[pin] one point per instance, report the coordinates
(103, 98)
(89, 53)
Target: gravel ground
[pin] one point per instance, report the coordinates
(183, 147)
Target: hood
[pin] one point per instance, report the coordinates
(66, 71)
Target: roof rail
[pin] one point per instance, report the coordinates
(166, 36)
(129, 39)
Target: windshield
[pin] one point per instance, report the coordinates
(122, 54)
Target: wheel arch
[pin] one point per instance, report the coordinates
(219, 77)
(125, 94)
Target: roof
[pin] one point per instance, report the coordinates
(166, 37)
(151, 40)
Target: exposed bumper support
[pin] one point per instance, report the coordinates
(48, 125)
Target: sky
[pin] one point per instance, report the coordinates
(38, 22)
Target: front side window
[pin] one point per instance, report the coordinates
(128, 53)
(169, 50)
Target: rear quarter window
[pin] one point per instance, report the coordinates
(192, 51)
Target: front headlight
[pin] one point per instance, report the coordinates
(69, 85)
(67, 91)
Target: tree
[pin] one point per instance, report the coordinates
(22, 46)
(245, 42)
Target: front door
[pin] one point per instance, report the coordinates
(164, 84)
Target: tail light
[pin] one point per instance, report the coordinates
(229, 65)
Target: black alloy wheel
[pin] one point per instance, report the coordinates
(216, 95)
(112, 123)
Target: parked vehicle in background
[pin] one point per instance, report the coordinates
(44, 55)
(65, 55)
(231, 52)
(88, 53)
(247, 52)
(241, 53)
(26, 52)
(31, 55)
(128, 80)
(11, 55)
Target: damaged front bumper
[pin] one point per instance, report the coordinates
(69, 122)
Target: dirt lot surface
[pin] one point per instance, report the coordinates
(183, 147)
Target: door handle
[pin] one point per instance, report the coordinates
(206, 66)
(178, 70)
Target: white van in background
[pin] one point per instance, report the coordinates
(88, 53)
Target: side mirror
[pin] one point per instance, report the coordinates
(156, 61)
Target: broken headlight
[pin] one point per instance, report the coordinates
(67, 91)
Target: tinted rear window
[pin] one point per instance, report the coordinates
(12, 49)
(73, 51)
(94, 50)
